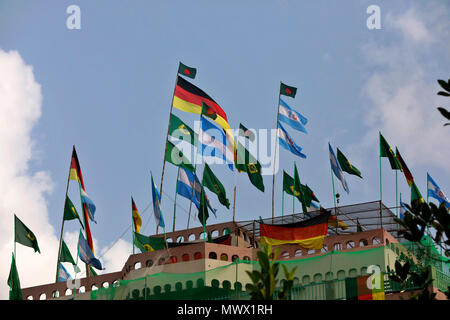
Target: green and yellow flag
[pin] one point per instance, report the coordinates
(415, 194)
(146, 244)
(178, 129)
(65, 256)
(346, 165)
(386, 151)
(214, 185)
(24, 236)
(246, 162)
(177, 158)
(70, 212)
(203, 213)
(15, 292)
(288, 187)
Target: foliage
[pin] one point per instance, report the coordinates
(265, 281)
(445, 93)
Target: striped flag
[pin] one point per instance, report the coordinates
(63, 274)
(136, 217)
(86, 255)
(434, 191)
(157, 205)
(89, 205)
(291, 117)
(287, 143)
(337, 169)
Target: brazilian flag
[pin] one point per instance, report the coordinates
(246, 162)
(15, 292)
(178, 129)
(386, 151)
(214, 185)
(146, 244)
(177, 158)
(70, 212)
(24, 236)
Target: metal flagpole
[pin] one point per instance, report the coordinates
(76, 264)
(334, 198)
(175, 201)
(62, 224)
(275, 156)
(381, 189)
(282, 207)
(234, 200)
(165, 148)
(396, 193)
(132, 225)
(293, 201)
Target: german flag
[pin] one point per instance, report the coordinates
(136, 217)
(358, 288)
(408, 175)
(309, 233)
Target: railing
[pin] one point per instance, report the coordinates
(441, 281)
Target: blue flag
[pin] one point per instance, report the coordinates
(63, 275)
(157, 205)
(337, 169)
(90, 206)
(403, 208)
(86, 255)
(291, 117)
(286, 142)
(434, 191)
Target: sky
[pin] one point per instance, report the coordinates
(107, 88)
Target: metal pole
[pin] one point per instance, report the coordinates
(175, 201)
(381, 189)
(275, 156)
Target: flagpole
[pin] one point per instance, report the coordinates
(293, 200)
(86, 219)
(381, 188)
(76, 263)
(167, 139)
(234, 200)
(282, 207)
(132, 224)
(275, 156)
(396, 193)
(175, 201)
(62, 224)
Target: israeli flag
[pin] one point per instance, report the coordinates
(286, 142)
(63, 275)
(436, 192)
(291, 117)
(337, 169)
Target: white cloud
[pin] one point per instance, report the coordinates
(402, 87)
(21, 191)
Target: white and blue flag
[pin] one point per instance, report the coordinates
(403, 208)
(86, 255)
(337, 169)
(90, 206)
(157, 205)
(436, 192)
(286, 142)
(63, 275)
(291, 117)
(213, 143)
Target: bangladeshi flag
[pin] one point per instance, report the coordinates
(288, 90)
(309, 233)
(187, 71)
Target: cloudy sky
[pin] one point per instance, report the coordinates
(106, 88)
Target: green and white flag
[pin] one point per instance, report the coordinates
(24, 236)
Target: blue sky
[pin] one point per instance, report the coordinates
(107, 89)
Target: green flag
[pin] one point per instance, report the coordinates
(305, 190)
(386, 151)
(288, 90)
(415, 194)
(346, 165)
(214, 185)
(187, 71)
(203, 213)
(65, 256)
(178, 129)
(176, 157)
(147, 244)
(358, 226)
(24, 236)
(246, 162)
(93, 271)
(297, 188)
(15, 292)
(244, 132)
(208, 112)
(70, 212)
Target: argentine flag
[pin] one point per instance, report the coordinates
(403, 208)
(157, 205)
(291, 117)
(436, 192)
(86, 255)
(63, 275)
(286, 142)
(337, 169)
(90, 206)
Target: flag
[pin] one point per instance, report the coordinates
(213, 142)
(308, 233)
(147, 244)
(211, 182)
(15, 292)
(88, 204)
(246, 162)
(246, 133)
(203, 214)
(189, 98)
(86, 255)
(403, 208)
(386, 151)
(415, 194)
(70, 212)
(92, 271)
(177, 158)
(434, 191)
(187, 71)
(286, 142)
(185, 183)
(24, 236)
(357, 288)
(287, 90)
(306, 201)
(291, 117)
(157, 205)
(337, 169)
(65, 255)
(346, 165)
(288, 187)
(337, 223)
(178, 129)
(75, 174)
(63, 274)
(136, 217)
(358, 226)
(409, 177)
